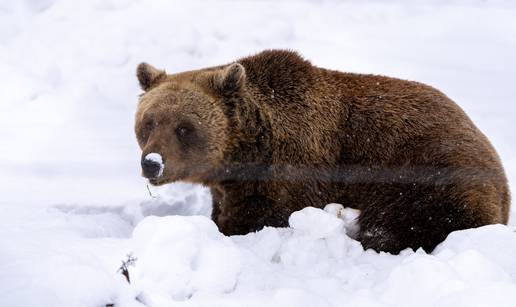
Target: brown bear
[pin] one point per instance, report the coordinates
(271, 134)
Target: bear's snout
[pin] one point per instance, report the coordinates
(152, 165)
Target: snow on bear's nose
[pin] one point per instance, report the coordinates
(152, 165)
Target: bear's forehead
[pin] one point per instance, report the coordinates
(166, 102)
(173, 92)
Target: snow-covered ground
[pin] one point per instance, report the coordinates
(73, 205)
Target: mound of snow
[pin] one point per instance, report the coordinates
(180, 256)
(497, 243)
(69, 257)
(186, 260)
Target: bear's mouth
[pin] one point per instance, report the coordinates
(158, 181)
(163, 180)
(169, 179)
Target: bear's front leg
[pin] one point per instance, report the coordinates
(247, 213)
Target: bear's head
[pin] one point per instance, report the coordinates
(182, 121)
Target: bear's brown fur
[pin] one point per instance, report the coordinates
(271, 134)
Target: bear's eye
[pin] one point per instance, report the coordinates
(149, 125)
(182, 131)
(186, 135)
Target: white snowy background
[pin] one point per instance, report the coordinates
(72, 203)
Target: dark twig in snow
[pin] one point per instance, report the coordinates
(124, 268)
(150, 193)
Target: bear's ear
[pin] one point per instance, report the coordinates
(149, 75)
(230, 79)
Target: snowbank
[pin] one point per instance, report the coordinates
(186, 261)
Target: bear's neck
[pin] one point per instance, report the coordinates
(250, 154)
